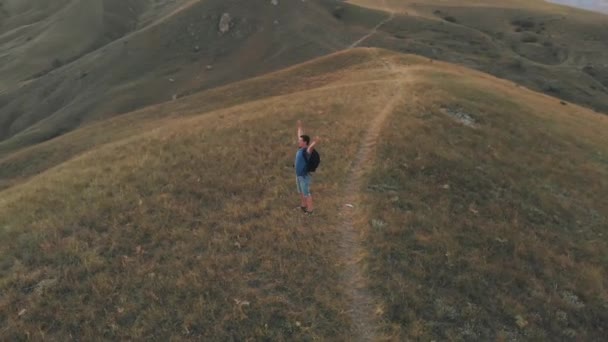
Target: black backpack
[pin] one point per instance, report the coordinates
(312, 162)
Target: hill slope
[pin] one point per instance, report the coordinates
(555, 49)
(39, 36)
(175, 221)
(178, 55)
(130, 54)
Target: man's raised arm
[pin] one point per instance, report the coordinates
(300, 130)
(315, 142)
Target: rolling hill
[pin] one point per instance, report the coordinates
(69, 63)
(476, 211)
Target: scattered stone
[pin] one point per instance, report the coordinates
(563, 103)
(209, 67)
(520, 321)
(561, 316)
(444, 310)
(274, 2)
(569, 332)
(171, 80)
(44, 285)
(225, 23)
(460, 116)
(378, 224)
(349, 205)
(572, 299)
(239, 302)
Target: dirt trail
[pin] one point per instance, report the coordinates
(364, 309)
(373, 31)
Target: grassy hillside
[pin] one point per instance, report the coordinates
(187, 230)
(39, 36)
(177, 221)
(555, 49)
(20, 166)
(142, 52)
(165, 59)
(488, 214)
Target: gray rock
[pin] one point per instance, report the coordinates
(225, 23)
(44, 285)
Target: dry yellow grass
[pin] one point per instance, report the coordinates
(185, 229)
(495, 231)
(181, 226)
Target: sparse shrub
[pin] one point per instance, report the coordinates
(450, 19)
(338, 12)
(378, 224)
(516, 64)
(56, 63)
(551, 89)
(525, 24)
(528, 38)
(588, 69)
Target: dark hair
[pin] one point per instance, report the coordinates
(306, 138)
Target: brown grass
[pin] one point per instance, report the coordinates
(187, 230)
(184, 228)
(324, 72)
(492, 232)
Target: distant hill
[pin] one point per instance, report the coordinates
(69, 63)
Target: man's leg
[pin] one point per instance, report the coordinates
(309, 206)
(301, 192)
(307, 194)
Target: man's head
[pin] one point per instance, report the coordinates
(304, 141)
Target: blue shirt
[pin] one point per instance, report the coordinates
(301, 162)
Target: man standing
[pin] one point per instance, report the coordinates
(303, 177)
